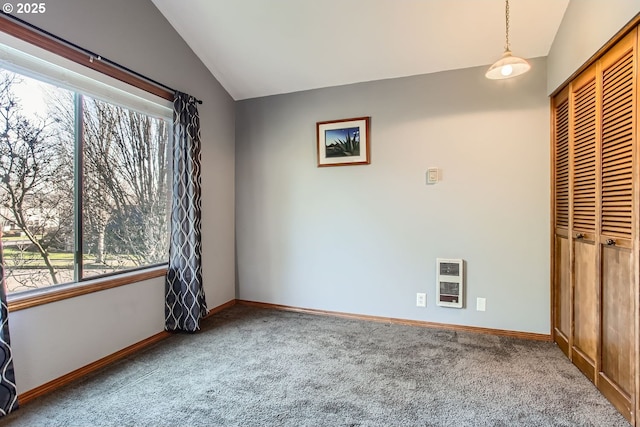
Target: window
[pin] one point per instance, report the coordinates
(125, 203)
(84, 175)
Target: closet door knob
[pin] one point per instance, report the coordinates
(579, 236)
(610, 242)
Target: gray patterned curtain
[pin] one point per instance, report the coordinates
(8, 392)
(185, 300)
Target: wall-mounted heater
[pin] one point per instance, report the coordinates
(449, 282)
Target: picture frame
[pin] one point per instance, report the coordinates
(343, 142)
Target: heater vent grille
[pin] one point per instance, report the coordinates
(449, 282)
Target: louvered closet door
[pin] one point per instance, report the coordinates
(561, 267)
(617, 361)
(583, 134)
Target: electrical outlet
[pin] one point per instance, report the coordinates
(421, 299)
(481, 304)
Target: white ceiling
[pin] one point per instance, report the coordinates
(265, 47)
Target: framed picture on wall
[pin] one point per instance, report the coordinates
(343, 142)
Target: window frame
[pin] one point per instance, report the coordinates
(29, 299)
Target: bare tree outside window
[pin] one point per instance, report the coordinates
(125, 182)
(36, 190)
(125, 189)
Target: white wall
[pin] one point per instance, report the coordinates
(57, 338)
(364, 239)
(586, 27)
(51, 340)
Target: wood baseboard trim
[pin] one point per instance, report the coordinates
(221, 307)
(446, 326)
(91, 367)
(105, 361)
(584, 363)
(563, 342)
(615, 395)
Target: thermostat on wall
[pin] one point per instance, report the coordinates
(433, 175)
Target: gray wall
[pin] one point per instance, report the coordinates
(52, 340)
(364, 239)
(587, 25)
(357, 239)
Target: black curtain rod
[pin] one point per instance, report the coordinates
(92, 55)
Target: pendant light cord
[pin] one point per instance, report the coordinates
(508, 65)
(506, 12)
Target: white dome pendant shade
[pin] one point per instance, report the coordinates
(508, 66)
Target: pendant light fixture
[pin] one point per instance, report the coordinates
(508, 66)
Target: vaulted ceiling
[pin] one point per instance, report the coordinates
(265, 47)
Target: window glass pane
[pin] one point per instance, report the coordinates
(125, 185)
(126, 188)
(36, 182)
